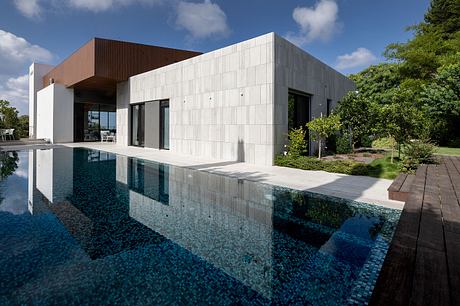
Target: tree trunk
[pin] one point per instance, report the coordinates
(392, 148)
(319, 151)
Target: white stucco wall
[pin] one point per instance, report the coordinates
(221, 102)
(45, 112)
(36, 73)
(55, 107)
(295, 69)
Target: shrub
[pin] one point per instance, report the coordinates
(343, 144)
(366, 141)
(417, 152)
(311, 163)
(383, 143)
(297, 144)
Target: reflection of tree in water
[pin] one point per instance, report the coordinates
(8, 164)
(307, 207)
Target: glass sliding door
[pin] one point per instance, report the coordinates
(164, 125)
(138, 125)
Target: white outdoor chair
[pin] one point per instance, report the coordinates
(9, 133)
(105, 136)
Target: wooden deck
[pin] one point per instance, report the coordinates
(400, 188)
(422, 266)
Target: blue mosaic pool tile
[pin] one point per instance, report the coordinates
(124, 231)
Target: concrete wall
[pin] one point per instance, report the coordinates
(36, 73)
(298, 70)
(231, 104)
(55, 108)
(221, 103)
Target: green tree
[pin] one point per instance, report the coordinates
(356, 114)
(441, 100)
(322, 127)
(400, 119)
(23, 126)
(374, 82)
(9, 116)
(444, 14)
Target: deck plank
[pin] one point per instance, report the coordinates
(407, 184)
(398, 182)
(453, 263)
(430, 285)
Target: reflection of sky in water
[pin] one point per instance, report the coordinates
(13, 189)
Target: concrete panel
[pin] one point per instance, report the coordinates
(297, 70)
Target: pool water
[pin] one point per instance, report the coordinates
(81, 226)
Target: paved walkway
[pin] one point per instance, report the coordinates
(358, 188)
(422, 266)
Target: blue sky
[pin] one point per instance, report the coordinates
(348, 35)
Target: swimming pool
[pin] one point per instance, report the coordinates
(81, 226)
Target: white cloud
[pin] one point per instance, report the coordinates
(29, 8)
(317, 22)
(15, 50)
(104, 5)
(34, 8)
(16, 90)
(16, 54)
(202, 20)
(359, 58)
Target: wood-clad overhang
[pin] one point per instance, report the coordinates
(101, 63)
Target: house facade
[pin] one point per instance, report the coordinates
(236, 103)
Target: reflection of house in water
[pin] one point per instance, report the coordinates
(79, 187)
(271, 240)
(220, 219)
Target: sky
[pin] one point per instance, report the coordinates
(348, 35)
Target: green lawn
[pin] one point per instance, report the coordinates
(448, 151)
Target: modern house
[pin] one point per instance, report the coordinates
(234, 103)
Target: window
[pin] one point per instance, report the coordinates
(298, 109)
(328, 107)
(164, 125)
(138, 125)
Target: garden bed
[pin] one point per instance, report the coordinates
(376, 164)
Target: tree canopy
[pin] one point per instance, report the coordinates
(421, 79)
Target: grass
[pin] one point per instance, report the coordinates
(379, 168)
(383, 168)
(448, 151)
